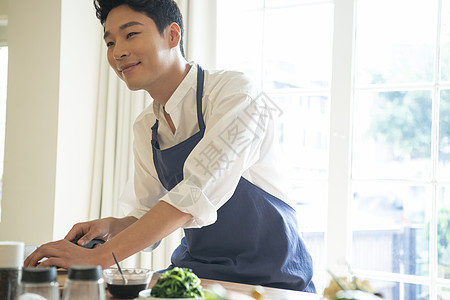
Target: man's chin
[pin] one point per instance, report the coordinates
(132, 87)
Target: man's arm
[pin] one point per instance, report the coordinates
(156, 224)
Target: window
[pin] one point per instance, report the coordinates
(398, 177)
(400, 140)
(3, 83)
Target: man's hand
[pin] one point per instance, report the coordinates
(126, 236)
(62, 253)
(86, 231)
(102, 229)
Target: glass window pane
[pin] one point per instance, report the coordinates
(444, 135)
(415, 291)
(297, 45)
(445, 41)
(315, 242)
(395, 41)
(390, 227)
(401, 291)
(443, 292)
(392, 134)
(303, 132)
(240, 44)
(443, 234)
(311, 199)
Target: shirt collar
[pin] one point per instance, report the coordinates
(173, 104)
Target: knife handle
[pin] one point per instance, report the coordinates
(91, 244)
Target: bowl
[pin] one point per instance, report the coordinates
(145, 295)
(137, 280)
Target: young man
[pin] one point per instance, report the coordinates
(204, 161)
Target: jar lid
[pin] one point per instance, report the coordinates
(85, 273)
(38, 275)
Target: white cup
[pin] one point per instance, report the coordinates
(11, 261)
(11, 254)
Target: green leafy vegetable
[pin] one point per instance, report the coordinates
(178, 283)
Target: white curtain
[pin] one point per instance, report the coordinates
(200, 23)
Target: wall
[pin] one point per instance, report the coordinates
(3, 21)
(54, 48)
(3, 7)
(79, 76)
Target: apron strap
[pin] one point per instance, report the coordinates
(200, 79)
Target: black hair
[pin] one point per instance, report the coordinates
(162, 12)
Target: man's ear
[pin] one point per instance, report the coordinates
(174, 34)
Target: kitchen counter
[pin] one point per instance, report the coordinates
(235, 291)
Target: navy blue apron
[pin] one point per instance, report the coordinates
(255, 239)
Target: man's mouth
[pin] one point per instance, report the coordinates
(128, 67)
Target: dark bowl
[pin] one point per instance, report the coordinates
(137, 280)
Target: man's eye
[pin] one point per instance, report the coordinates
(131, 34)
(109, 44)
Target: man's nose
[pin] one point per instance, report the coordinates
(120, 51)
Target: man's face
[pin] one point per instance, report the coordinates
(136, 49)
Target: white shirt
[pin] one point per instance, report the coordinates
(238, 141)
